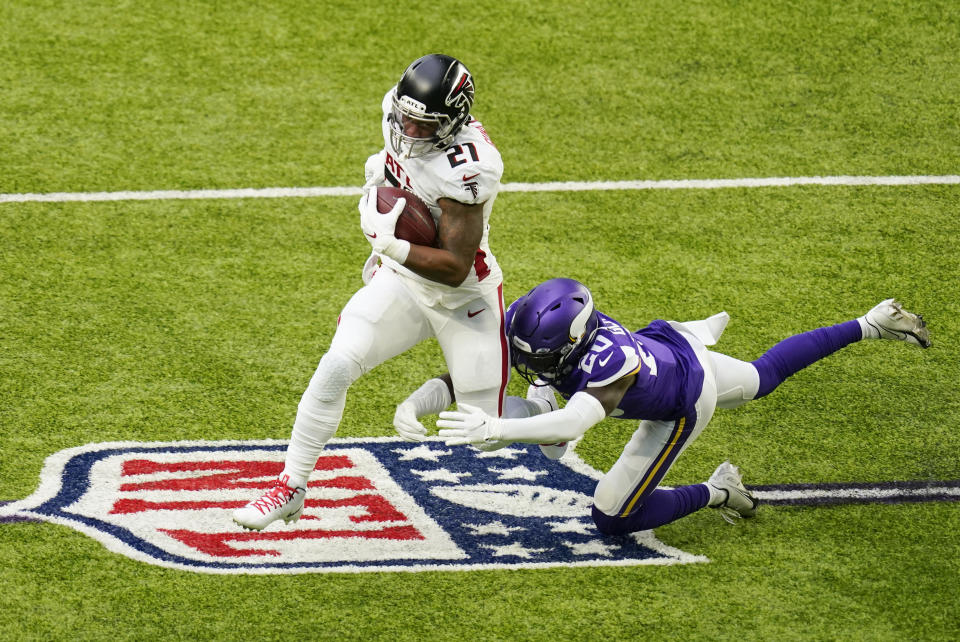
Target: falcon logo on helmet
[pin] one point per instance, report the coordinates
(463, 92)
(435, 95)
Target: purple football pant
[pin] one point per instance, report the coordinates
(662, 505)
(797, 352)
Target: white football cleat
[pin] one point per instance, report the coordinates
(544, 397)
(740, 502)
(888, 320)
(280, 502)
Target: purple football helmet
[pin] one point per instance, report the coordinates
(550, 328)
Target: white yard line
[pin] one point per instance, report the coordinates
(570, 186)
(864, 493)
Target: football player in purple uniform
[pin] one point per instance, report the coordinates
(662, 375)
(435, 149)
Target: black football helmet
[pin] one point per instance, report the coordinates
(434, 90)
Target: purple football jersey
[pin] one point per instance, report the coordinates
(669, 375)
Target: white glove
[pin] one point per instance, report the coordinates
(373, 171)
(406, 424)
(493, 445)
(378, 228)
(469, 425)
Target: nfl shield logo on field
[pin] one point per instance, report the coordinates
(378, 504)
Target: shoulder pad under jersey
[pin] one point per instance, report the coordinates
(611, 357)
(470, 168)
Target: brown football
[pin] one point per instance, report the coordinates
(415, 223)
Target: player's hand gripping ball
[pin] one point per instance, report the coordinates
(415, 223)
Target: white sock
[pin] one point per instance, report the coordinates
(869, 332)
(318, 415)
(311, 432)
(717, 495)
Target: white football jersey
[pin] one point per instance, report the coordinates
(467, 171)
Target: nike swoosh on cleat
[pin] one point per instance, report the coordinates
(473, 314)
(896, 333)
(373, 236)
(902, 334)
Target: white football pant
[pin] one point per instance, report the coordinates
(382, 320)
(655, 445)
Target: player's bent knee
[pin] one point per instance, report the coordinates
(608, 496)
(333, 376)
(609, 524)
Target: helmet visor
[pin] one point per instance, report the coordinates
(413, 132)
(542, 365)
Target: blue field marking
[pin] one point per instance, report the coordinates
(375, 504)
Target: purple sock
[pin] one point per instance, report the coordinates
(662, 506)
(799, 351)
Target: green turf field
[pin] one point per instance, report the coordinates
(204, 319)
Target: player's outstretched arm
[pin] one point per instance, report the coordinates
(610, 395)
(470, 425)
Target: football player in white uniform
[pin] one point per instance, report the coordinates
(434, 149)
